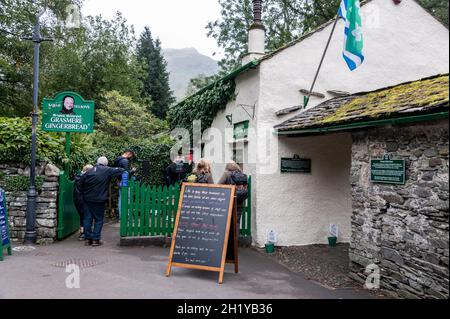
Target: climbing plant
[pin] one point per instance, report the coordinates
(202, 106)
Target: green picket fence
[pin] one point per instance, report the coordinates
(151, 210)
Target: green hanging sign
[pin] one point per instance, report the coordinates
(241, 130)
(68, 112)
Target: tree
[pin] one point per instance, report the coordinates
(283, 20)
(439, 8)
(124, 117)
(17, 18)
(155, 79)
(199, 82)
(97, 57)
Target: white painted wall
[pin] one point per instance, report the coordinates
(402, 43)
(300, 207)
(247, 91)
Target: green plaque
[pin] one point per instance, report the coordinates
(387, 171)
(241, 130)
(68, 112)
(295, 165)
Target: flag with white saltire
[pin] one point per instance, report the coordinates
(350, 11)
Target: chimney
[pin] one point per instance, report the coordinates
(256, 35)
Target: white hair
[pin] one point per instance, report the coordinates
(102, 161)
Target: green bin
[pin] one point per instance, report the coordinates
(332, 241)
(270, 248)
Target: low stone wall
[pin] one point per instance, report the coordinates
(403, 229)
(46, 208)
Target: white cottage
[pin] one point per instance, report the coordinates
(403, 42)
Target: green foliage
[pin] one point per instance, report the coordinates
(159, 157)
(91, 60)
(155, 78)
(157, 151)
(15, 144)
(18, 183)
(95, 58)
(439, 8)
(284, 21)
(121, 116)
(199, 82)
(204, 106)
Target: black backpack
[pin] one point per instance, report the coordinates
(241, 181)
(180, 168)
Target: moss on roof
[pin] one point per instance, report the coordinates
(426, 96)
(415, 95)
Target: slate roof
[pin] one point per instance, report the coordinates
(426, 96)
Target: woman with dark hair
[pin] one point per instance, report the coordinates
(68, 105)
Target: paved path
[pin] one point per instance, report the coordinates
(137, 272)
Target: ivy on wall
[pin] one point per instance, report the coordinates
(202, 106)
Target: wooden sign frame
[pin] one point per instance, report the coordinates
(232, 216)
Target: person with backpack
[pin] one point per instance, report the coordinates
(123, 162)
(233, 175)
(78, 198)
(201, 174)
(176, 171)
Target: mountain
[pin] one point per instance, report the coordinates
(185, 64)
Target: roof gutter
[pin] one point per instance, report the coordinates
(251, 65)
(351, 126)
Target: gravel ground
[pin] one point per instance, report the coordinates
(328, 266)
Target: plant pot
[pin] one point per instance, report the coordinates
(270, 248)
(332, 241)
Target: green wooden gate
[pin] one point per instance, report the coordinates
(68, 218)
(151, 211)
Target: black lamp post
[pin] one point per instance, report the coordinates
(30, 234)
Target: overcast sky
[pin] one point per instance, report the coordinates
(178, 23)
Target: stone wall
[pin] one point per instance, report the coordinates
(403, 229)
(46, 208)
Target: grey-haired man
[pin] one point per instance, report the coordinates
(94, 188)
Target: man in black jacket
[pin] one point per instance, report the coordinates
(94, 188)
(123, 162)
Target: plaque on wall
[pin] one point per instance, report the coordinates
(387, 171)
(295, 165)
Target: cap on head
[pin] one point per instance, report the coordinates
(102, 161)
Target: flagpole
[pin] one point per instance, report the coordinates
(306, 101)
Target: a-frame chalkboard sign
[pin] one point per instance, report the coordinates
(204, 237)
(5, 242)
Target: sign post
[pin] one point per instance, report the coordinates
(201, 239)
(5, 242)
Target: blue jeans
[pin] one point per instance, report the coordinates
(94, 212)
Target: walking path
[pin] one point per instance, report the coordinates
(111, 272)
